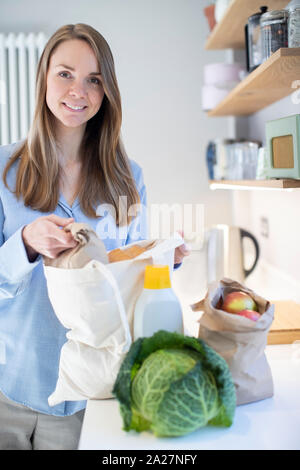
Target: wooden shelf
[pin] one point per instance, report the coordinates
(229, 32)
(270, 82)
(255, 184)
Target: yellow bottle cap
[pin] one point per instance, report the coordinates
(157, 277)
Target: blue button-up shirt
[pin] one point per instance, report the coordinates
(31, 336)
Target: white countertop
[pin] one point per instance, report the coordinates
(269, 424)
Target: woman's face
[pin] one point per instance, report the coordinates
(74, 80)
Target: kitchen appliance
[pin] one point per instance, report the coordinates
(225, 253)
(274, 32)
(283, 147)
(253, 40)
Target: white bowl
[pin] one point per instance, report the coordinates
(219, 74)
(212, 96)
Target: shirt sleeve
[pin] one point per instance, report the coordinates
(15, 268)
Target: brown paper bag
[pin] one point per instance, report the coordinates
(240, 341)
(89, 247)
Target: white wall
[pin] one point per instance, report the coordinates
(158, 46)
(280, 252)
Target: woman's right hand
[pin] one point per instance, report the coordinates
(44, 236)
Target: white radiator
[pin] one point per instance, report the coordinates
(19, 55)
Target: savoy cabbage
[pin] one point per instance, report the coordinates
(174, 384)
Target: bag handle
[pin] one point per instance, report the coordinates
(113, 283)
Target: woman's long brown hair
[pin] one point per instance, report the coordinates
(106, 172)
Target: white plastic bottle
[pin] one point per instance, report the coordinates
(158, 307)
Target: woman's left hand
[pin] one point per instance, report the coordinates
(181, 251)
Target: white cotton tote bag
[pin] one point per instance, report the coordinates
(96, 303)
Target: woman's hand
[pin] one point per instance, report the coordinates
(44, 236)
(181, 251)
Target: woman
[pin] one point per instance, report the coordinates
(72, 160)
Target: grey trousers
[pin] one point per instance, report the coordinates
(21, 428)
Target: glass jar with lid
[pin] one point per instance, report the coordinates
(253, 40)
(294, 28)
(274, 31)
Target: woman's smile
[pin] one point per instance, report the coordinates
(73, 108)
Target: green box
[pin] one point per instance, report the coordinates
(283, 147)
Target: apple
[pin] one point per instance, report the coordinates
(250, 314)
(237, 301)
